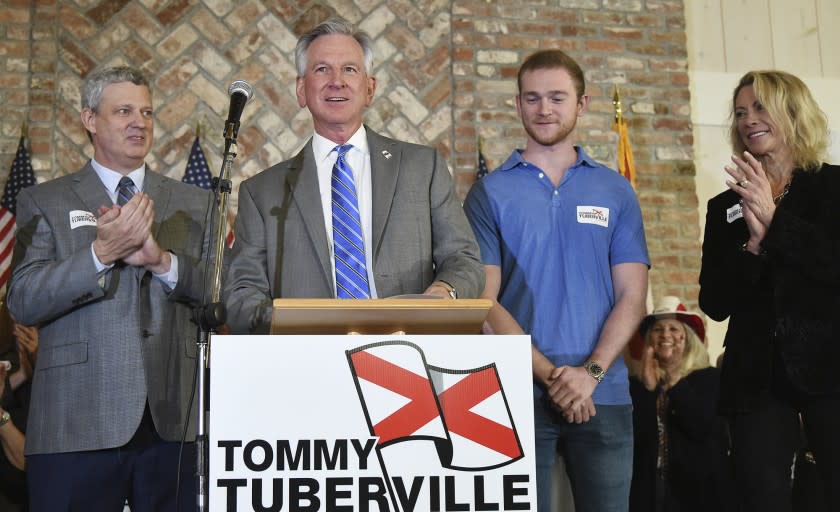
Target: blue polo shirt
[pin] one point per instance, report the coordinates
(556, 247)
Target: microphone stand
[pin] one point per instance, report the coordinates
(212, 315)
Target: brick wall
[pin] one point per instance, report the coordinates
(27, 81)
(445, 69)
(639, 46)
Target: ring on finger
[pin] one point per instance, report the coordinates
(743, 183)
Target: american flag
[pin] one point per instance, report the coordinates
(482, 166)
(198, 173)
(20, 176)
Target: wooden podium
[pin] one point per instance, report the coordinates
(415, 314)
(309, 418)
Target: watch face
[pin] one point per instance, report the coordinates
(595, 370)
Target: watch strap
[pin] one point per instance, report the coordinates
(449, 288)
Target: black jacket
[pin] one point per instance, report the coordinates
(783, 305)
(698, 473)
(16, 403)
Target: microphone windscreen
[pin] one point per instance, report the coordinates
(241, 87)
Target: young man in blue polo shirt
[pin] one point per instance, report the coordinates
(566, 261)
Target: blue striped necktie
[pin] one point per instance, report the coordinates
(125, 190)
(351, 281)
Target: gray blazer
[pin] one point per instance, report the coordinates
(420, 233)
(108, 343)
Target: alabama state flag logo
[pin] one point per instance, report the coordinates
(463, 411)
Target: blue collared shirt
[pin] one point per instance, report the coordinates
(556, 247)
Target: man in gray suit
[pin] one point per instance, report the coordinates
(412, 236)
(108, 269)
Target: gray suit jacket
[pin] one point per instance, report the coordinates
(110, 342)
(420, 233)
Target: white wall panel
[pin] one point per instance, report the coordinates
(705, 35)
(747, 35)
(828, 26)
(796, 44)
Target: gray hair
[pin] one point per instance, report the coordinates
(333, 26)
(96, 82)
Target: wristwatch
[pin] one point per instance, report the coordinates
(450, 289)
(594, 370)
(4, 418)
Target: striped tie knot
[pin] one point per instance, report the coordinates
(342, 150)
(125, 190)
(351, 281)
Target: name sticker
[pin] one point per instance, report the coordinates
(79, 218)
(734, 213)
(593, 215)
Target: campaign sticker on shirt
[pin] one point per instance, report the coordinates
(734, 213)
(593, 215)
(79, 218)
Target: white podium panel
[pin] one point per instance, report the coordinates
(414, 423)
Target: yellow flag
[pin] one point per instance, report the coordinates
(625, 153)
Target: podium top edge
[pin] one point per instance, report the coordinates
(387, 303)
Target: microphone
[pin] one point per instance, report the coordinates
(240, 92)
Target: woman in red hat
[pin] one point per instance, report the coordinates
(680, 443)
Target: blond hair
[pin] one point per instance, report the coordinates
(803, 126)
(695, 356)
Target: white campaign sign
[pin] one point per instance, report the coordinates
(371, 423)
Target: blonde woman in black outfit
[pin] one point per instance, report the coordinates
(771, 264)
(679, 440)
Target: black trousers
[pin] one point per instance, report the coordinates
(764, 443)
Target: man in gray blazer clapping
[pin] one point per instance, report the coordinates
(353, 214)
(108, 262)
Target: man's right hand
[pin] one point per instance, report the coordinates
(570, 391)
(122, 230)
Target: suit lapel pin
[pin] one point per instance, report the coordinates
(386, 154)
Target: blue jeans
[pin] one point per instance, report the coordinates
(598, 456)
